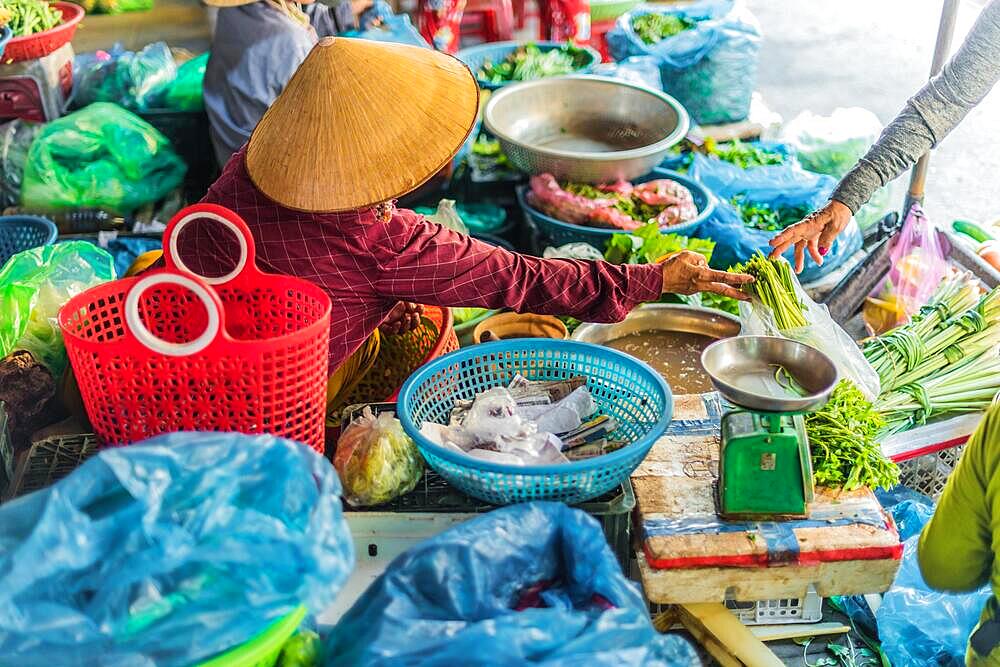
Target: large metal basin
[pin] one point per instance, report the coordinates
(663, 317)
(585, 128)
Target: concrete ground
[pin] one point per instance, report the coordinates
(875, 54)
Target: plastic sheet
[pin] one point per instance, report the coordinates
(919, 626)
(136, 81)
(822, 333)
(124, 250)
(34, 285)
(186, 91)
(918, 264)
(711, 68)
(776, 185)
(376, 460)
(101, 157)
(454, 600)
(168, 552)
(15, 142)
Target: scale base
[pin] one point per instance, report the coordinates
(764, 467)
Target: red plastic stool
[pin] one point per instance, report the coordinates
(564, 21)
(490, 20)
(599, 38)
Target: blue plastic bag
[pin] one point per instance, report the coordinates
(397, 29)
(124, 249)
(919, 626)
(452, 600)
(777, 185)
(710, 68)
(169, 552)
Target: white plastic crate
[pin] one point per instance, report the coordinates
(928, 474)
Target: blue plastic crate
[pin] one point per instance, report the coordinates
(623, 387)
(556, 232)
(22, 232)
(476, 56)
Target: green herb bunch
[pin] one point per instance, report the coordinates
(766, 218)
(774, 287)
(655, 27)
(842, 438)
(529, 62)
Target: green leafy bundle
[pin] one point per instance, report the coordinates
(529, 62)
(766, 218)
(28, 17)
(774, 288)
(647, 245)
(655, 27)
(743, 155)
(843, 441)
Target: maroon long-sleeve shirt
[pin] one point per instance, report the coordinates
(367, 265)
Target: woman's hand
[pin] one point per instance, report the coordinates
(814, 233)
(687, 272)
(403, 318)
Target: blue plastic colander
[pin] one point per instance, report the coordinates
(556, 232)
(623, 388)
(21, 232)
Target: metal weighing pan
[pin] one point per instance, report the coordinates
(745, 371)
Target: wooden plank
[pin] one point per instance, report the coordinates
(683, 586)
(774, 633)
(722, 634)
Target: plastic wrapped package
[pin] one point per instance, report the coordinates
(918, 264)
(776, 186)
(376, 460)
(136, 81)
(170, 551)
(15, 143)
(186, 91)
(447, 215)
(822, 333)
(583, 251)
(34, 285)
(710, 68)
(529, 584)
(100, 157)
(644, 70)
(919, 626)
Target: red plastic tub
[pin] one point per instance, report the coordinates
(43, 43)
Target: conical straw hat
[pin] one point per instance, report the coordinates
(360, 123)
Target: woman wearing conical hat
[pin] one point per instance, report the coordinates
(360, 124)
(256, 47)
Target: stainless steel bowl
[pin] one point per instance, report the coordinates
(744, 369)
(585, 128)
(662, 317)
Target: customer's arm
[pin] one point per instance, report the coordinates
(925, 120)
(956, 547)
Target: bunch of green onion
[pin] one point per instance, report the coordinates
(774, 287)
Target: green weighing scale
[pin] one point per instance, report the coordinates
(764, 460)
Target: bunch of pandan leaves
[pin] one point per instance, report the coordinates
(843, 433)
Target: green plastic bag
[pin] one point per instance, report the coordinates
(99, 157)
(185, 93)
(34, 285)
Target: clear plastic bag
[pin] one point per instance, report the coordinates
(15, 143)
(643, 70)
(170, 551)
(376, 460)
(186, 91)
(136, 81)
(832, 144)
(822, 333)
(101, 157)
(583, 251)
(530, 584)
(34, 285)
(447, 216)
(710, 68)
(918, 264)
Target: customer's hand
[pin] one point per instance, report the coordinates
(403, 318)
(814, 233)
(687, 272)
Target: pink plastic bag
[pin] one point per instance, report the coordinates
(919, 263)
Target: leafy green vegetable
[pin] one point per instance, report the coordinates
(655, 27)
(631, 206)
(463, 315)
(743, 155)
(529, 62)
(773, 287)
(28, 17)
(726, 304)
(647, 245)
(766, 218)
(842, 438)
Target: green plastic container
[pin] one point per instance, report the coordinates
(264, 649)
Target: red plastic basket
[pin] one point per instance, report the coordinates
(172, 351)
(43, 43)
